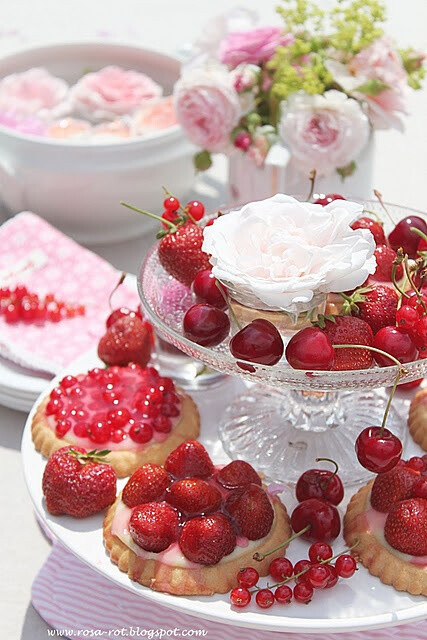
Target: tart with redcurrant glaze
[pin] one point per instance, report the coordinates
(132, 411)
(417, 420)
(389, 522)
(187, 528)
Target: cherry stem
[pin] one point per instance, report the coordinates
(399, 375)
(171, 225)
(380, 351)
(403, 293)
(419, 232)
(380, 200)
(414, 287)
(312, 178)
(260, 556)
(122, 277)
(325, 483)
(184, 211)
(227, 302)
(376, 216)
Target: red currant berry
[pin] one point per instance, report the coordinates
(242, 141)
(406, 318)
(301, 565)
(118, 435)
(333, 576)
(416, 463)
(171, 216)
(345, 566)
(195, 209)
(318, 576)
(141, 432)
(321, 516)
(378, 453)
(247, 577)
(280, 568)
(205, 289)
(206, 325)
(419, 333)
(264, 598)
(81, 429)
(62, 427)
(118, 417)
(171, 203)
(320, 551)
(68, 381)
(20, 292)
(99, 432)
(420, 488)
(162, 424)
(303, 592)
(54, 406)
(12, 313)
(283, 594)
(240, 597)
(310, 349)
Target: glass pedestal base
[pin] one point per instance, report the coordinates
(282, 433)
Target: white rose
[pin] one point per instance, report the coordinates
(284, 254)
(323, 132)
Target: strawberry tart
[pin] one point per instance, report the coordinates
(417, 421)
(188, 527)
(388, 517)
(135, 413)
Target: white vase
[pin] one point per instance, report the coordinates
(248, 183)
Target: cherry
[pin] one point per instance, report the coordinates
(283, 594)
(206, 325)
(396, 342)
(323, 518)
(303, 592)
(195, 209)
(328, 198)
(320, 483)
(280, 568)
(247, 577)
(171, 203)
(258, 342)
(406, 318)
(318, 576)
(205, 289)
(320, 551)
(377, 449)
(407, 386)
(403, 237)
(310, 349)
(345, 566)
(264, 598)
(373, 226)
(240, 597)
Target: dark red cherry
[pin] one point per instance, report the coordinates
(206, 290)
(378, 452)
(322, 516)
(397, 342)
(258, 342)
(319, 483)
(328, 198)
(402, 236)
(310, 348)
(206, 325)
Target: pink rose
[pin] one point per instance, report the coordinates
(112, 92)
(207, 106)
(29, 125)
(323, 132)
(155, 115)
(34, 93)
(253, 47)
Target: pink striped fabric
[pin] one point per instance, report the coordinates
(70, 596)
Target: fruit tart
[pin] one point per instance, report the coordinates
(134, 412)
(188, 527)
(389, 518)
(417, 421)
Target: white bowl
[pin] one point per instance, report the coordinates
(78, 186)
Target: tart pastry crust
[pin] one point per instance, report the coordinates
(189, 581)
(125, 462)
(417, 420)
(379, 561)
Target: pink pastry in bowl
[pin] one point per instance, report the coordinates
(74, 179)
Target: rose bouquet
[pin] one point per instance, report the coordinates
(318, 86)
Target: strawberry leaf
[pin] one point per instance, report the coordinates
(321, 320)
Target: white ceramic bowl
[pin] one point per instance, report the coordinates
(78, 186)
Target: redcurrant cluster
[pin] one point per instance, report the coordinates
(19, 304)
(317, 572)
(194, 210)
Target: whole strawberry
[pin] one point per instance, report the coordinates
(385, 257)
(392, 486)
(180, 252)
(207, 539)
(406, 527)
(376, 305)
(127, 340)
(251, 510)
(374, 227)
(350, 330)
(190, 460)
(77, 483)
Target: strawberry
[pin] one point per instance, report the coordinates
(190, 460)
(406, 527)
(77, 483)
(251, 510)
(207, 539)
(237, 474)
(146, 484)
(373, 226)
(153, 526)
(392, 486)
(127, 340)
(376, 305)
(385, 256)
(180, 252)
(350, 330)
(193, 496)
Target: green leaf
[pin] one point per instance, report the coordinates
(321, 320)
(372, 87)
(202, 160)
(344, 172)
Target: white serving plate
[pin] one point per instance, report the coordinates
(362, 602)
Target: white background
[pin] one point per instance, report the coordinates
(167, 25)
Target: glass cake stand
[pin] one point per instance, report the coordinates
(287, 417)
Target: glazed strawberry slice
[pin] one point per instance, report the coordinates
(406, 527)
(392, 486)
(190, 460)
(251, 510)
(194, 496)
(207, 539)
(237, 474)
(154, 526)
(146, 484)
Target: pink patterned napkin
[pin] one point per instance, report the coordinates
(46, 261)
(73, 598)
